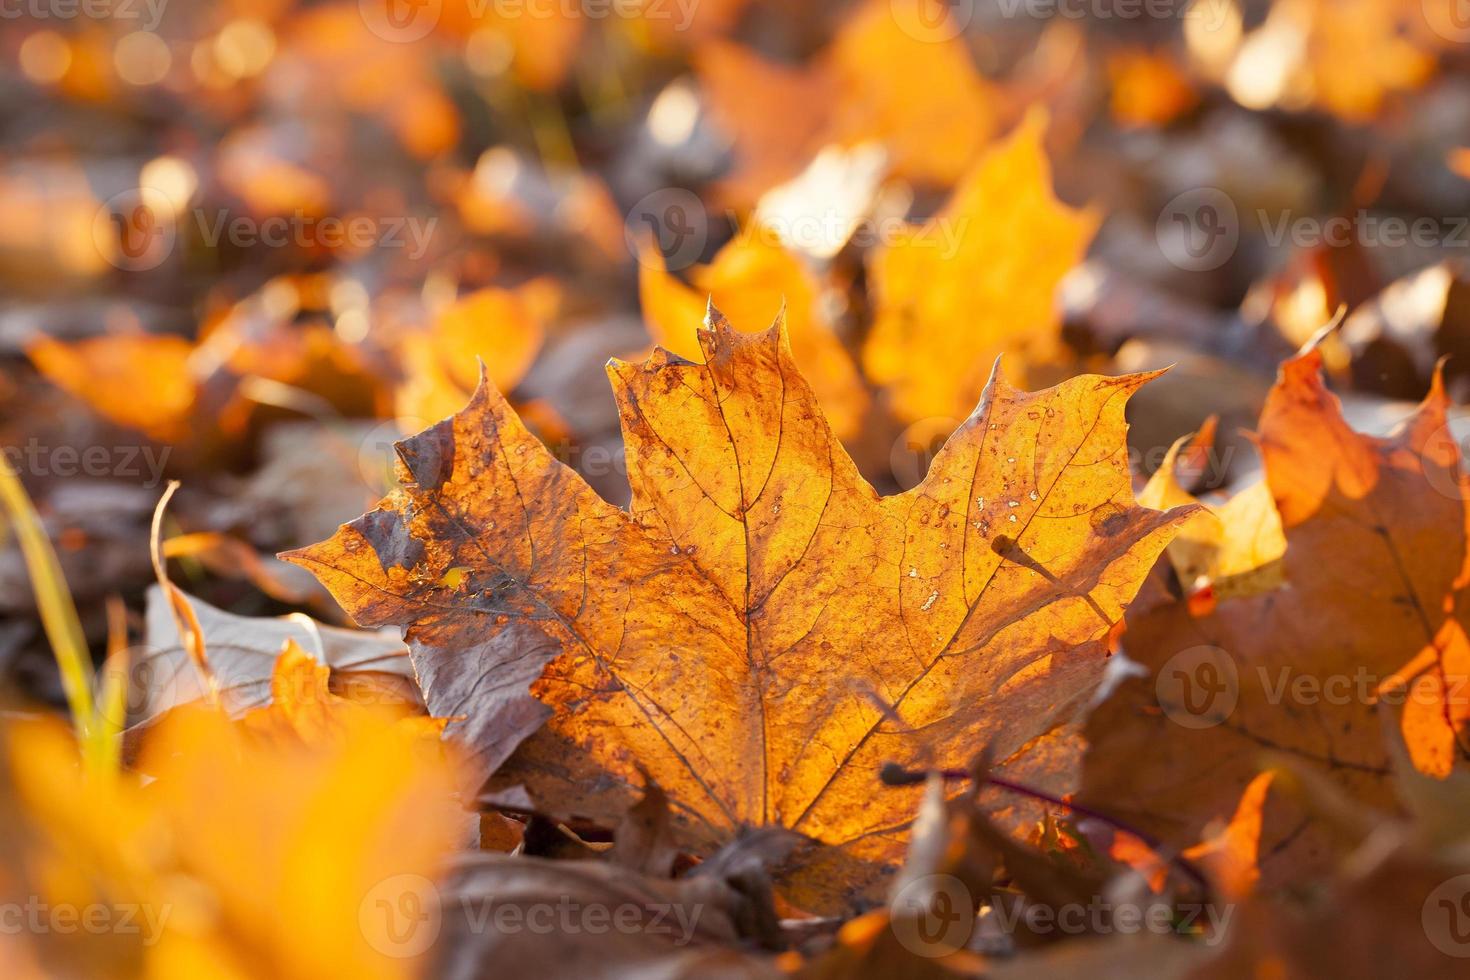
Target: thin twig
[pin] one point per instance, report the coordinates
(896, 775)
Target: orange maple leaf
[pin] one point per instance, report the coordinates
(763, 631)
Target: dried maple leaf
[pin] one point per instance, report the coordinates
(1374, 567)
(763, 631)
(976, 280)
(751, 279)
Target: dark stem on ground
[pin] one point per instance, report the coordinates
(896, 775)
(893, 774)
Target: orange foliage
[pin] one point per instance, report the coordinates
(763, 631)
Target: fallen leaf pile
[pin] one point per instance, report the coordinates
(735, 488)
(1397, 506)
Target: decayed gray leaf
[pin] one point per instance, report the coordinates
(531, 917)
(242, 652)
(644, 842)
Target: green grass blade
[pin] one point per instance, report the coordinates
(53, 598)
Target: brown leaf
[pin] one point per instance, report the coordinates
(500, 914)
(1371, 606)
(643, 843)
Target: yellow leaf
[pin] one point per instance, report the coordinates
(503, 327)
(975, 281)
(751, 279)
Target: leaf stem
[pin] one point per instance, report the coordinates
(896, 775)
